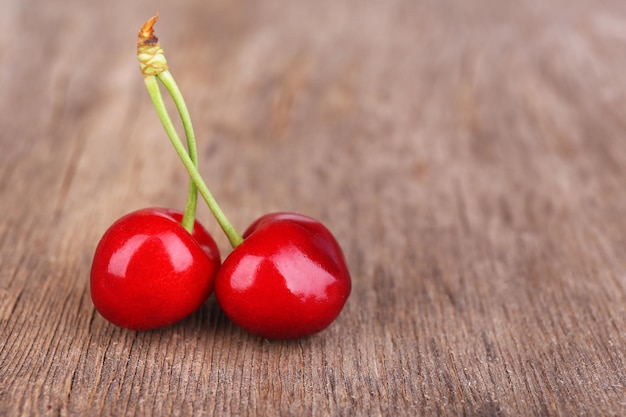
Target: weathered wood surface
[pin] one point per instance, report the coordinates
(469, 156)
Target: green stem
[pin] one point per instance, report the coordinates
(155, 94)
(192, 199)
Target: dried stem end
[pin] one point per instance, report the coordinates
(149, 52)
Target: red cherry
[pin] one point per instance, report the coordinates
(287, 279)
(149, 272)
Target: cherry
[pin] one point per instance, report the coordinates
(156, 266)
(288, 279)
(149, 272)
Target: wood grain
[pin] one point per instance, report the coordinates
(470, 157)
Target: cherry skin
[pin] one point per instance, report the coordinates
(201, 235)
(149, 272)
(287, 279)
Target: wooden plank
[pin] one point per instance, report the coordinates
(470, 159)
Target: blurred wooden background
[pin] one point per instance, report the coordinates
(470, 157)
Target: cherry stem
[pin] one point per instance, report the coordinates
(157, 99)
(153, 64)
(192, 199)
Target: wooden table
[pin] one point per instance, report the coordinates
(470, 157)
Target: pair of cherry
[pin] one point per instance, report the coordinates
(286, 276)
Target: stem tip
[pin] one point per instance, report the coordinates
(146, 34)
(149, 52)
